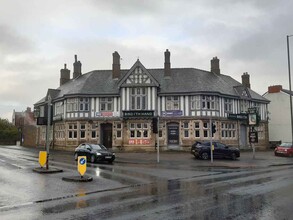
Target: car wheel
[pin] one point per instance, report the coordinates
(75, 156)
(233, 156)
(93, 158)
(205, 156)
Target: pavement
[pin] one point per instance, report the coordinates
(246, 160)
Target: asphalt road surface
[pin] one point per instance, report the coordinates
(136, 187)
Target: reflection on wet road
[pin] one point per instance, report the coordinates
(142, 191)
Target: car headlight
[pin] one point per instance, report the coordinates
(98, 154)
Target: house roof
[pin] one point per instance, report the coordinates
(287, 91)
(181, 80)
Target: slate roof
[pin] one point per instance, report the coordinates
(182, 80)
(287, 91)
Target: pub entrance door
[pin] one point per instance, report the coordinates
(106, 135)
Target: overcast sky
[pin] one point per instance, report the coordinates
(37, 37)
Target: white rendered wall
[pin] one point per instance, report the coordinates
(279, 117)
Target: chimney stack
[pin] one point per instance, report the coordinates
(275, 89)
(167, 66)
(116, 65)
(246, 80)
(64, 75)
(76, 68)
(215, 65)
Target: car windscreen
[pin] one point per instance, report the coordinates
(287, 145)
(98, 147)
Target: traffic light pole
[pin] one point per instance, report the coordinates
(211, 140)
(158, 142)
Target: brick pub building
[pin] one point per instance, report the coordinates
(115, 107)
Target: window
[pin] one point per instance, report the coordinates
(196, 129)
(72, 104)
(84, 104)
(138, 98)
(172, 103)
(139, 130)
(228, 130)
(72, 131)
(244, 106)
(195, 102)
(42, 111)
(58, 108)
(118, 130)
(161, 126)
(209, 102)
(43, 132)
(228, 104)
(59, 131)
(260, 131)
(94, 131)
(106, 104)
(82, 131)
(206, 129)
(186, 129)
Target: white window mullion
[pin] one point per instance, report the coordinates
(153, 98)
(127, 99)
(181, 103)
(187, 105)
(149, 98)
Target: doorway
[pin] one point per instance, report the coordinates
(173, 134)
(243, 136)
(106, 135)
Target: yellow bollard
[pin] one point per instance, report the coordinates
(42, 158)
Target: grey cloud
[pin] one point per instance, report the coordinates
(12, 42)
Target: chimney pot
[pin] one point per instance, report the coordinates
(116, 65)
(246, 80)
(76, 68)
(167, 64)
(275, 89)
(215, 65)
(64, 75)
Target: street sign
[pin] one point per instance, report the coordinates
(253, 137)
(241, 116)
(252, 119)
(42, 158)
(81, 167)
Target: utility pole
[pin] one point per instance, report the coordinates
(48, 130)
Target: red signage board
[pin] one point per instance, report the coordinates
(139, 141)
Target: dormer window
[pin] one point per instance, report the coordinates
(138, 98)
(84, 104)
(172, 103)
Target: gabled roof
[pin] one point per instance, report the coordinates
(137, 64)
(181, 81)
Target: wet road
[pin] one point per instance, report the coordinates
(181, 189)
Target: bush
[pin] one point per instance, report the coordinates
(8, 132)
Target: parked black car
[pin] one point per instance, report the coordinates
(203, 150)
(94, 152)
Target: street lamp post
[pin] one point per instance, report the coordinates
(289, 72)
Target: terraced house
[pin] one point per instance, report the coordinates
(116, 107)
